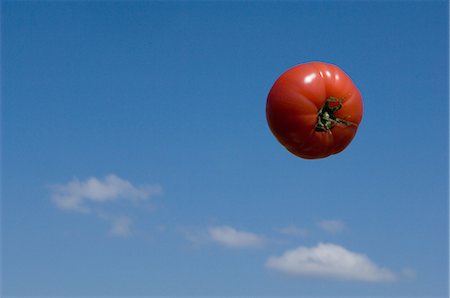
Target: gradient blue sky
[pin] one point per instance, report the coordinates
(170, 99)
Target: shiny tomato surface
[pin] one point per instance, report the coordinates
(314, 110)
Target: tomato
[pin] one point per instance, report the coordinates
(314, 110)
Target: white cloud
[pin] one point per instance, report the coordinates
(81, 195)
(293, 231)
(228, 236)
(91, 195)
(329, 261)
(332, 226)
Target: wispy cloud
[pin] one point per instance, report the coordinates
(229, 236)
(80, 196)
(194, 235)
(121, 226)
(329, 261)
(90, 197)
(222, 235)
(292, 230)
(332, 226)
(409, 273)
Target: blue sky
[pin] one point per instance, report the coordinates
(136, 158)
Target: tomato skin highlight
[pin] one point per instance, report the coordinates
(304, 97)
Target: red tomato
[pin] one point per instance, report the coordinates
(314, 110)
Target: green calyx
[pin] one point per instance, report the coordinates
(325, 117)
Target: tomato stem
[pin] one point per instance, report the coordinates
(325, 116)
